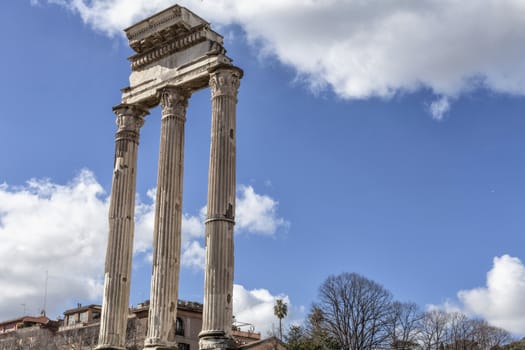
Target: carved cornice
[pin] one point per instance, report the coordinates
(174, 102)
(151, 24)
(143, 59)
(225, 81)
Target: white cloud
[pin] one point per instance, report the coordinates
(55, 228)
(257, 213)
(144, 221)
(502, 301)
(256, 307)
(364, 48)
(193, 252)
(254, 213)
(193, 255)
(192, 231)
(439, 108)
(62, 229)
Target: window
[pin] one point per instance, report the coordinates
(179, 328)
(183, 346)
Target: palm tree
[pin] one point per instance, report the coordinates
(280, 309)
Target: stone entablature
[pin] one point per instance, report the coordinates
(174, 47)
(168, 23)
(169, 47)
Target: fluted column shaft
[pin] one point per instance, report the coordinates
(168, 218)
(113, 322)
(218, 280)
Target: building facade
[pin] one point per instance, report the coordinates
(80, 328)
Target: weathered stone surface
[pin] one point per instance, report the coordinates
(218, 280)
(121, 228)
(173, 48)
(168, 221)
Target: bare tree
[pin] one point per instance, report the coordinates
(403, 325)
(433, 329)
(489, 337)
(460, 332)
(440, 330)
(318, 337)
(355, 311)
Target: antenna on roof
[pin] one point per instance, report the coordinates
(45, 294)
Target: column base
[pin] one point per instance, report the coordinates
(153, 344)
(216, 340)
(108, 347)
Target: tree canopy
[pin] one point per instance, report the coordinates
(353, 312)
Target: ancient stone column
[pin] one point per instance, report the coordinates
(218, 280)
(117, 277)
(168, 218)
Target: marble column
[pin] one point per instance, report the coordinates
(218, 279)
(113, 322)
(168, 218)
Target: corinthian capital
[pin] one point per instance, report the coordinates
(130, 117)
(174, 102)
(225, 81)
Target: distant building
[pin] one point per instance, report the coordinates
(81, 316)
(25, 322)
(79, 329)
(28, 333)
(187, 327)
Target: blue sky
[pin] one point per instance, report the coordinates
(403, 162)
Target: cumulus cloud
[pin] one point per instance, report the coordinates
(193, 252)
(254, 214)
(62, 229)
(363, 49)
(192, 231)
(56, 228)
(144, 221)
(502, 301)
(257, 213)
(256, 307)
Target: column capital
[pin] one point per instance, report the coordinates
(130, 117)
(225, 80)
(174, 101)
